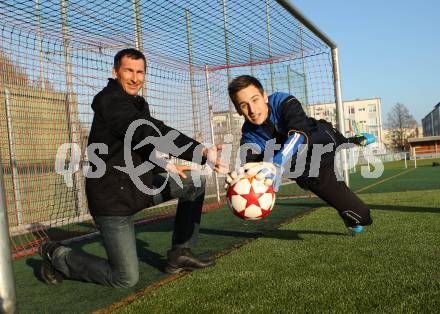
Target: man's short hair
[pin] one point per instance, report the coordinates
(130, 53)
(241, 82)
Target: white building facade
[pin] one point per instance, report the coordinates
(361, 115)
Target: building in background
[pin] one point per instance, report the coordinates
(425, 147)
(361, 114)
(220, 121)
(391, 137)
(220, 124)
(431, 123)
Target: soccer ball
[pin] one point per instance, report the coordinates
(250, 199)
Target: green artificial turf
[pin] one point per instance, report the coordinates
(304, 263)
(220, 231)
(312, 266)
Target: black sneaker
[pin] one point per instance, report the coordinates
(183, 259)
(48, 273)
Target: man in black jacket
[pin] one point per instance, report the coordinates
(123, 181)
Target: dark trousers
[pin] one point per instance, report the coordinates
(189, 206)
(337, 194)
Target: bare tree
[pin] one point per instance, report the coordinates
(403, 124)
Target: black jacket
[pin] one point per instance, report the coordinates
(114, 194)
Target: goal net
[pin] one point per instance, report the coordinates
(55, 55)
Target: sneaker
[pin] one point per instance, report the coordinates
(362, 139)
(48, 273)
(183, 259)
(357, 230)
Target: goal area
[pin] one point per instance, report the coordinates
(56, 55)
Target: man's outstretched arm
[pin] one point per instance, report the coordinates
(271, 171)
(362, 139)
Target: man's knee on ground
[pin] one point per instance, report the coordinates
(125, 280)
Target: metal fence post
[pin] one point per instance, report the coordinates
(13, 160)
(306, 96)
(7, 283)
(269, 45)
(251, 59)
(340, 109)
(228, 62)
(138, 38)
(195, 105)
(415, 157)
(211, 116)
(72, 111)
(137, 25)
(40, 43)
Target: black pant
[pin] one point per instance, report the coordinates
(189, 205)
(337, 194)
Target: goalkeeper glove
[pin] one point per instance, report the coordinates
(269, 172)
(233, 177)
(362, 139)
(272, 171)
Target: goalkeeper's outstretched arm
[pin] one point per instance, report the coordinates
(272, 171)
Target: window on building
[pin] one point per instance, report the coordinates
(372, 121)
(361, 109)
(371, 108)
(351, 110)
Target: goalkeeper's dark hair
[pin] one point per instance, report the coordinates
(241, 82)
(129, 52)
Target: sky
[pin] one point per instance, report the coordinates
(387, 48)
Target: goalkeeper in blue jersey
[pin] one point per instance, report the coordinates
(279, 119)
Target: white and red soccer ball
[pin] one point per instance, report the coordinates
(250, 199)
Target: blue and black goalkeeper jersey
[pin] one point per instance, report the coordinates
(286, 116)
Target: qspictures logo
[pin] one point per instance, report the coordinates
(164, 145)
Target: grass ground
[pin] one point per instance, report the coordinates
(221, 231)
(311, 265)
(308, 265)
